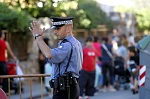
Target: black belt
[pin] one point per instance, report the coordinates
(63, 81)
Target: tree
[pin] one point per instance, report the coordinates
(13, 20)
(141, 10)
(15, 16)
(94, 13)
(16, 23)
(87, 13)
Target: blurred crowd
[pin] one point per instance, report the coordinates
(109, 64)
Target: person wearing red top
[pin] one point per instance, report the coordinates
(4, 47)
(97, 45)
(89, 56)
(98, 76)
(87, 73)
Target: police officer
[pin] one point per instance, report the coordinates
(66, 58)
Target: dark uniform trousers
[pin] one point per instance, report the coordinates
(3, 71)
(74, 92)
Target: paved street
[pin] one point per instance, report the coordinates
(116, 95)
(122, 94)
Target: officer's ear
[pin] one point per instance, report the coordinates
(68, 28)
(71, 26)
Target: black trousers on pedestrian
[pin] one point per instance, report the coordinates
(3, 71)
(108, 73)
(74, 92)
(86, 83)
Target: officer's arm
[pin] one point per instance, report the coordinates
(37, 32)
(43, 47)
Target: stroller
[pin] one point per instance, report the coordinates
(121, 74)
(14, 82)
(133, 68)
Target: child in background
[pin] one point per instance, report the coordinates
(133, 67)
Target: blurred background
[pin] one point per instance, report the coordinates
(99, 18)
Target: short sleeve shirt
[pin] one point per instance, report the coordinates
(3, 49)
(89, 59)
(61, 54)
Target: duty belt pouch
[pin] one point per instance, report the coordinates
(51, 83)
(54, 83)
(58, 83)
(61, 83)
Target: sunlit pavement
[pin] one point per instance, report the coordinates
(36, 92)
(116, 95)
(113, 95)
(122, 94)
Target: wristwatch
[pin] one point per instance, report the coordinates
(36, 35)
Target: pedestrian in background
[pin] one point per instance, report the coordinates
(120, 65)
(133, 68)
(131, 40)
(98, 78)
(4, 48)
(98, 47)
(66, 58)
(107, 65)
(87, 73)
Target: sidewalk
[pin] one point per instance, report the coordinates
(36, 92)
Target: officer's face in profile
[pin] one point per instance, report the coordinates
(59, 32)
(62, 32)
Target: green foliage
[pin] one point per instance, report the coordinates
(13, 20)
(88, 13)
(15, 16)
(38, 12)
(94, 13)
(143, 20)
(16, 22)
(141, 12)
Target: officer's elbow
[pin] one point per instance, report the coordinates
(48, 56)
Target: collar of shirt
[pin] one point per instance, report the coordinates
(67, 38)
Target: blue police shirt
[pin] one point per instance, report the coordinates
(61, 55)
